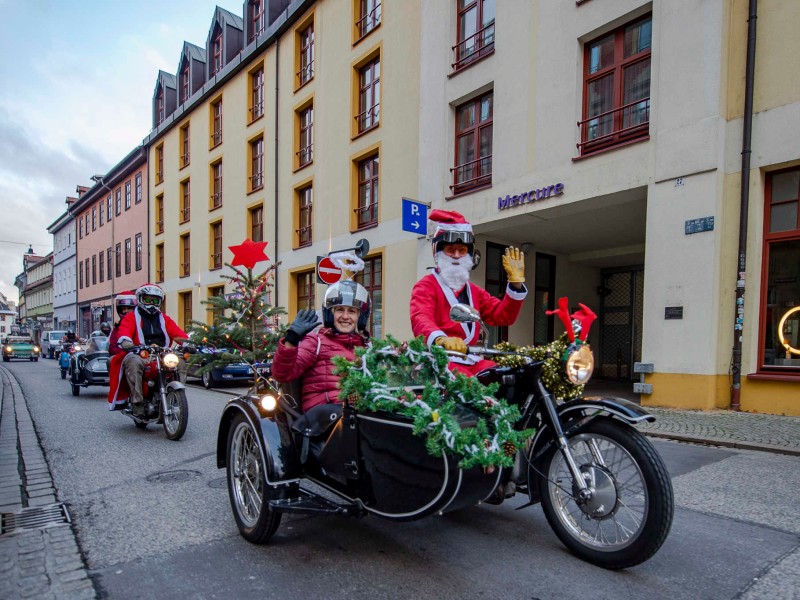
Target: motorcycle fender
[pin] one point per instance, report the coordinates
(175, 385)
(277, 451)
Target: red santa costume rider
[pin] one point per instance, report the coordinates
(144, 325)
(435, 293)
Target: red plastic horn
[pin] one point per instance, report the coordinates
(585, 317)
(563, 313)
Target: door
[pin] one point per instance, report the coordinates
(621, 315)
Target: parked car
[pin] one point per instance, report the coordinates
(17, 346)
(51, 343)
(233, 373)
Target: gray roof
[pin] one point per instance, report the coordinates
(228, 18)
(194, 52)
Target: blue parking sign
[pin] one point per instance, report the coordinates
(415, 217)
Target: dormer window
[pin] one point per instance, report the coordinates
(257, 19)
(216, 52)
(160, 116)
(185, 89)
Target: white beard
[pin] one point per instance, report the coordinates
(454, 271)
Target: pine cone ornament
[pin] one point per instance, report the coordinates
(509, 448)
(352, 398)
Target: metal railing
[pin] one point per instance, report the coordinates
(256, 111)
(185, 213)
(216, 138)
(305, 74)
(369, 21)
(184, 159)
(305, 155)
(304, 236)
(628, 122)
(367, 215)
(474, 47)
(216, 199)
(473, 174)
(216, 260)
(185, 269)
(256, 181)
(160, 226)
(369, 118)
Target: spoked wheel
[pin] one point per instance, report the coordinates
(177, 416)
(247, 484)
(629, 512)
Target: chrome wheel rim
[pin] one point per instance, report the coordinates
(246, 474)
(614, 516)
(173, 416)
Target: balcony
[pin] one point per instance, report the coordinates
(473, 175)
(615, 127)
(474, 48)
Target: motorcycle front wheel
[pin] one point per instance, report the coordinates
(177, 416)
(247, 484)
(629, 513)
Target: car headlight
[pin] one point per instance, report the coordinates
(36, 348)
(580, 365)
(268, 402)
(171, 360)
(9, 348)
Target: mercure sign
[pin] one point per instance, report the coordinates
(541, 193)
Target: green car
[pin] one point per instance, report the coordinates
(15, 346)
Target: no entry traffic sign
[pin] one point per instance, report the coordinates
(327, 272)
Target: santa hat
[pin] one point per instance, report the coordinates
(449, 220)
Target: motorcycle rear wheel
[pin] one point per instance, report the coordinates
(247, 484)
(175, 423)
(76, 389)
(630, 513)
(63, 373)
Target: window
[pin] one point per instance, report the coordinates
(216, 123)
(94, 270)
(101, 261)
(305, 290)
(495, 283)
(475, 32)
(216, 52)
(160, 213)
(138, 188)
(118, 201)
(306, 72)
(371, 277)
(118, 257)
(368, 187)
(473, 145)
(186, 202)
(256, 218)
(184, 139)
(80, 228)
(159, 263)
(544, 298)
(80, 277)
(86, 223)
(369, 16)
(214, 315)
(216, 245)
(100, 212)
(258, 21)
(216, 185)
(108, 208)
(185, 83)
(138, 251)
(159, 164)
(304, 214)
(305, 155)
(128, 255)
(94, 219)
(779, 350)
(127, 195)
(186, 310)
(160, 113)
(369, 96)
(257, 94)
(257, 164)
(616, 95)
(185, 246)
(109, 254)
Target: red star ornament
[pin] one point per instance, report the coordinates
(248, 253)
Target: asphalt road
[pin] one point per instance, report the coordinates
(153, 520)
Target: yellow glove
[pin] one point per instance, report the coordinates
(453, 344)
(514, 264)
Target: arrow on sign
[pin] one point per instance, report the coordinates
(415, 224)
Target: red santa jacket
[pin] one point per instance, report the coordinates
(431, 299)
(313, 361)
(130, 329)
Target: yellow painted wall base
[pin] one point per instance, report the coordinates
(709, 392)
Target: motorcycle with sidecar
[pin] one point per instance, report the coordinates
(603, 487)
(88, 365)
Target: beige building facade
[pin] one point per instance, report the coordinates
(604, 138)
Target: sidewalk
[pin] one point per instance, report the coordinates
(39, 554)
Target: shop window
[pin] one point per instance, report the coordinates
(304, 217)
(780, 293)
(473, 154)
(255, 217)
(616, 90)
(368, 16)
(475, 32)
(371, 277)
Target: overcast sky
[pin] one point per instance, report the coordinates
(76, 84)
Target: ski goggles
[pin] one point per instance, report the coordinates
(150, 301)
(452, 237)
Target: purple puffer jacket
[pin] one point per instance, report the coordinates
(312, 360)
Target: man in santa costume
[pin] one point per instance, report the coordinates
(448, 284)
(144, 326)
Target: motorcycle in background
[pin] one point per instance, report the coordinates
(88, 365)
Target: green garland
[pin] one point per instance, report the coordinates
(552, 371)
(411, 380)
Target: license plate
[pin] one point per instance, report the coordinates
(249, 371)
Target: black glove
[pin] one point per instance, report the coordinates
(304, 322)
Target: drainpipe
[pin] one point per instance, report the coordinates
(747, 128)
(275, 234)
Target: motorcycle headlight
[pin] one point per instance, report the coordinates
(36, 348)
(76, 347)
(171, 360)
(269, 402)
(9, 348)
(580, 365)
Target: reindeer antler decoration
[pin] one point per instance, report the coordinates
(563, 313)
(585, 317)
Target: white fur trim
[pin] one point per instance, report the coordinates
(347, 261)
(514, 295)
(432, 337)
(469, 328)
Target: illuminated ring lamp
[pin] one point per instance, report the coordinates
(781, 337)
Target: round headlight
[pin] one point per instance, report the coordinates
(580, 365)
(36, 348)
(269, 402)
(9, 348)
(76, 347)
(171, 360)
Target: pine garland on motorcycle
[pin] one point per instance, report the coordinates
(245, 322)
(411, 380)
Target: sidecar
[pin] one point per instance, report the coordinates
(278, 459)
(89, 366)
